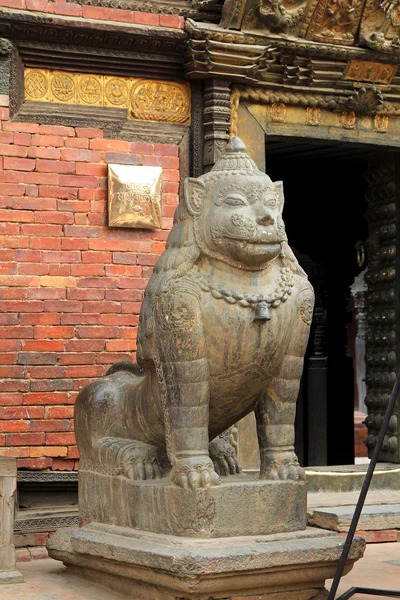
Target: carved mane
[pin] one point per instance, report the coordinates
(180, 256)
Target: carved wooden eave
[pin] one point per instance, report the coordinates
(64, 42)
(291, 70)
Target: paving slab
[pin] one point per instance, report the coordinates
(373, 517)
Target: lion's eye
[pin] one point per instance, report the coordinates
(234, 201)
(271, 202)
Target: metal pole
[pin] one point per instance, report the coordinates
(365, 487)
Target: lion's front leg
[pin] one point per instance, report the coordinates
(185, 373)
(276, 410)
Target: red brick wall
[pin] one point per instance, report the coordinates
(70, 287)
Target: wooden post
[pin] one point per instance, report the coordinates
(8, 485)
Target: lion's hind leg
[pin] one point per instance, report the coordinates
(132, 459)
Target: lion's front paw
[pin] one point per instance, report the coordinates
(281, 465)
(194, 472)
(223, 456)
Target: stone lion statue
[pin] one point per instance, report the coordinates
(223, 329)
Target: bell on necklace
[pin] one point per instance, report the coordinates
(262, 312)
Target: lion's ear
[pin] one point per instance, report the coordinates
(279, 194)
(195, 192)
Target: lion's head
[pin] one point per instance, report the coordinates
(232, 214)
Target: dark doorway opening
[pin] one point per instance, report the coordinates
(325, 207)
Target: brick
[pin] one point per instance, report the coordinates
(47, 425)
(32, 268)
(16, 385)
(80, 319)
(92, 345)
(91, 371)
(33, 463)
(18, 164)
(122, 158)
(30, 539)
(37, 358)
(22, 555)
(59, 412)
(165, 149)
(101, 307)
(68, 9)
(54, 166)
(73, 452)
(62, 465)
(56, 270)
(21, 127)
(124, 16)
(40, 451)
(78, 181)
(46, 294)
(146, 18)
(87, 270)
(64, 282)
(95, 12)
(377, 537)
(59, 439)
(56, 331)
(14, 426)
(43, 345)
(45, 398)
(97, 170)
(16, 151)
(8, 358)
(75, 244)
(38, 5)
(76, 154)
(85, 294)
(24, 439)
(39, 553)
(63, 306)
(98, 332)
(16, 332)
(109, 145)
(6, 137)
(21, 412)
(120, 345)
(117, 245)
(21, 216)
(47, 140)
(15, 451)
(8, 229)
(78, 359)
(39, 319)
(46, 243)
(120, 320)
(18, 306)
(44, 152)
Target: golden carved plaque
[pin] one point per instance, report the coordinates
(381, 123)
(134, 196)
(278, 113)
(313, 116)
(160, 101)
(145, 99)
(348, 119)
(373, 72)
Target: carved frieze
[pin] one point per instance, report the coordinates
(147, 100)
(334, 21)
(372, 72)
(380, 25)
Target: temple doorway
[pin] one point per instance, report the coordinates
(325, 213)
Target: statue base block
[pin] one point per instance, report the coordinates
(241, 505)
(144, 566)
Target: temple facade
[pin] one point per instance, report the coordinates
(311, 87)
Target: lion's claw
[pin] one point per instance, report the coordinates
(282, 466)
(223, 456)
(194, 472)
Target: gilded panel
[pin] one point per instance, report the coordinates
(372, 72)
(145, 99)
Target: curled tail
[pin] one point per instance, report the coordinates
(126, 365)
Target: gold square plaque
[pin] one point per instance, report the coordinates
(134, 196)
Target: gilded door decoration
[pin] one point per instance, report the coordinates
(381, 123)
(382, 303)
(348, 119)
(144, 99)
(380, 25)
(313, 116)
(335, 21)
(160, 101)
(134, 196)
(372, 72)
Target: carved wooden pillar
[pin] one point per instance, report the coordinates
(383, 305)
(216, 119)
(8, 485)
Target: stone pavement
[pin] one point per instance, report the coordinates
(47, 579)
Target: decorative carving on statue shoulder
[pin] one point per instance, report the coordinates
(307, 307)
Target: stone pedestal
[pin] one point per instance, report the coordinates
(241, 505)
(8, 486)
(148, 566)
(243, 539)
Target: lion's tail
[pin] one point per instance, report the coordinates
(126, 365)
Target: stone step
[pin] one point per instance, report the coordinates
(349, 478)
(372, 518)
